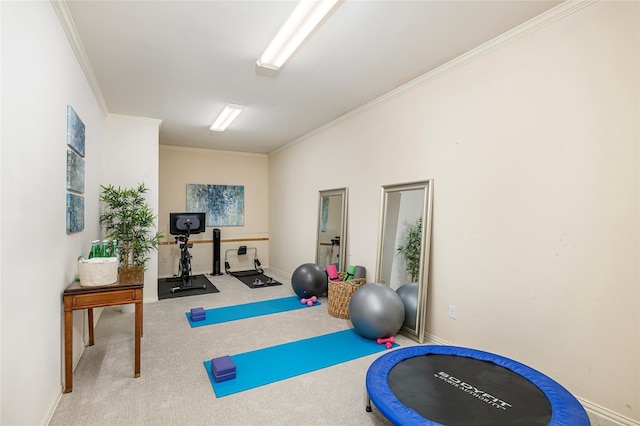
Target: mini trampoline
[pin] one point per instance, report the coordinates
(433, 385)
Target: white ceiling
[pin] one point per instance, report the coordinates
(182, 61)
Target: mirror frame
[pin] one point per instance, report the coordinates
(342, 253)
(417, 334)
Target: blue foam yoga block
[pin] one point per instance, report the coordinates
(224, 377)
(223, 368)
(198, 314)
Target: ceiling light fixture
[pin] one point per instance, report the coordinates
(305, 17)
(228, 114)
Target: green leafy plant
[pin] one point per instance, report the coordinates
(129, 219)
(411, 249)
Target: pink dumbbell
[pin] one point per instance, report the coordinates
(310, 301)
(388, 341)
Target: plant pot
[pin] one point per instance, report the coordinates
(131, 275)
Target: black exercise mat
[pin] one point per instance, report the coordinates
(249, 279)
(249, 273)
(166, 284)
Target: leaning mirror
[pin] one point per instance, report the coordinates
(332, 228)
(403, 249)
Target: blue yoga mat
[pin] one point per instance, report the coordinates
(275, 363)
(248, 310)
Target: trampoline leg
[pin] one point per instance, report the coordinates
(368, 407)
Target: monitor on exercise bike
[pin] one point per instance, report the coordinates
(180, 223)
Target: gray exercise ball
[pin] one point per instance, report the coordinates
(409, 295)
(376, 310)
(309, 280)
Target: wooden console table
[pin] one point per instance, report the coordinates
(77, 297)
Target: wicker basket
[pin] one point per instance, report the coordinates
(340, 293)
(98, 271)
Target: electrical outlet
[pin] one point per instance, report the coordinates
(164, 259)
(452, 312)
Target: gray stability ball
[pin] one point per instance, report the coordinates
(376, 311)
(409, 295)
(309, 280)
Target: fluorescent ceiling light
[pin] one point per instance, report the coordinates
(228, 114)
(306, 16)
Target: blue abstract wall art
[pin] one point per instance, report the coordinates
(75, 213)
(75, 131)
(75, 172)
(223, 204)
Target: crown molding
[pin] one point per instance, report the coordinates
(156, 121)
(566, 8)
(69, 27)
(211, 151)
(552, 15)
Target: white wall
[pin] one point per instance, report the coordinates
(533, 149)
(1, 116)
(40, 77)
(132, 158)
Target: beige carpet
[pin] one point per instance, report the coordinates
(174, 388)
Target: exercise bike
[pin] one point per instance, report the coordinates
(184, 264)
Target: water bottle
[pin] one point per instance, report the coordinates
(106, 249)
(95, 249)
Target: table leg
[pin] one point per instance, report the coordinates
(90, 326)
(68, 351)
(138, 334)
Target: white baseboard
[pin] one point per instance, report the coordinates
(54, 404)
(435, 339)
(279, 271)
(52, 409)
(607, 414)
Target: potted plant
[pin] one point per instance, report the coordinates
(411, 249)
(128, 218)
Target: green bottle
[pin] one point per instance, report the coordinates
(95, 249)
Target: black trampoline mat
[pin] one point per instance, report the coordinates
(456, 390)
